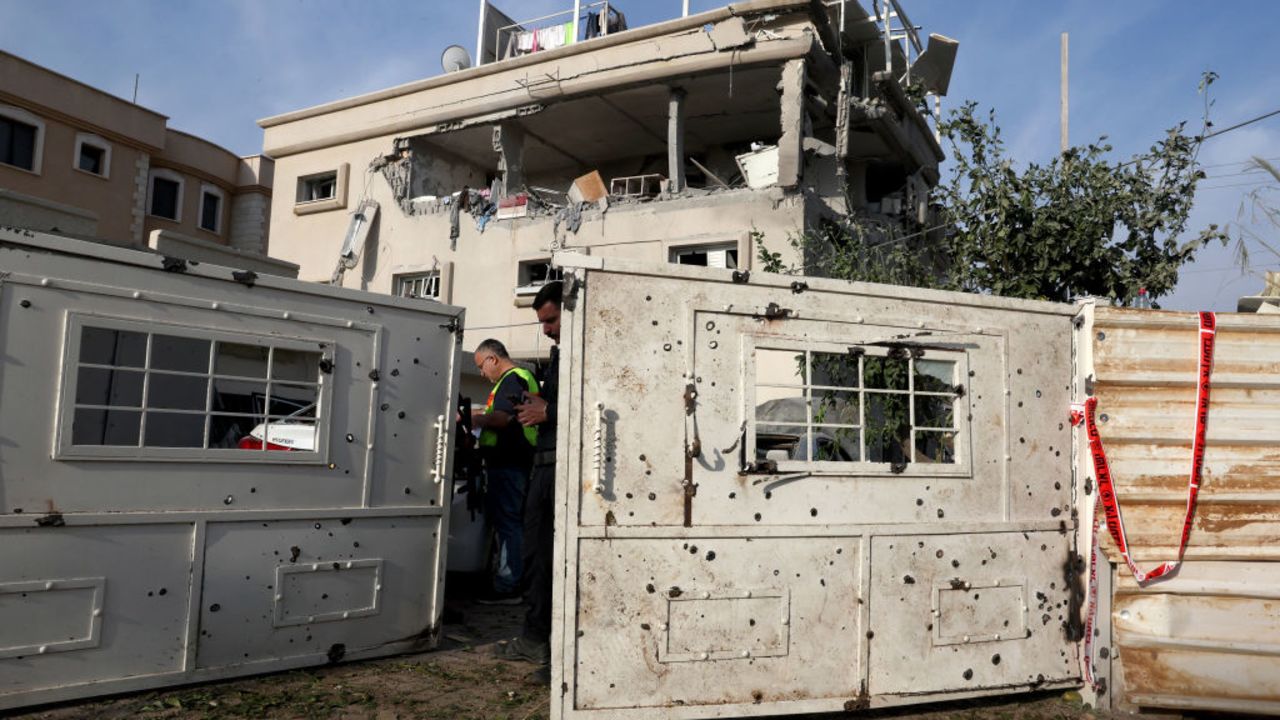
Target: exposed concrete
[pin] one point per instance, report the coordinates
(675, 140)
(791, 144)
(508, 142)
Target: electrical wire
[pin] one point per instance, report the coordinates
(1237, 126)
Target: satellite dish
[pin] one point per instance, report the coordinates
(455, 58)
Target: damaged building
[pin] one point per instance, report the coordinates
(674, 141)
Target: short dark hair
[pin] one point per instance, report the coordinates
(551, 292)
(493, 347)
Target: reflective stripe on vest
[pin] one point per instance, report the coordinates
(488, 437)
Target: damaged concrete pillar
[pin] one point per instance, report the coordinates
(508, 142)
(675, 140)
(791, 142)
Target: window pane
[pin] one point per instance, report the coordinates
(935, 447)
(779, 367)
(209, 206)
(782, 405)
(122, 348)
(175, 430)
(91, 159)
(935, 376)
(287, 400)
(170, 352)
(226, 431)
(836, 444)
(241, 360)
(98, 386)
(176, 392)
(835, 407)
(936, 411)
(295, 365)
(239, 396)
(780, 442)
(164, 198)
(105, 427)
(17, 143)
(839, 369)
(888, 430)
(885, 373)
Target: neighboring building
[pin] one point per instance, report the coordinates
(1267, 301)
(769, 116)
(78, 161)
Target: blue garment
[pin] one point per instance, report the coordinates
(504, 509)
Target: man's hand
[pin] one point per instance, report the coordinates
(533, 411)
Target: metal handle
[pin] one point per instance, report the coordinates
(437, 473)
(598, 484)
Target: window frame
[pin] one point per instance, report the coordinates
(83, 139)
(963, 465)
(426, 275)
(64, 449)
(215, 191)
(339, 200)
(165, 174)
(726, 246)
(529, 289)
(19, 115)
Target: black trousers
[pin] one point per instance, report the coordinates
(539, 527)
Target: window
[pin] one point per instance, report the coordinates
(533, 274)
(720, 255)
(21, 138)
(855, 405)
(140, 393)
(165, 196)
(318, 187)
(420, 285)
(321, 191)
(93, 155)
(210, 209)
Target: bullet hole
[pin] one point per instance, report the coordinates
(919, 502)
(395, 372)
(253, 490)
(757, 697)
(768, 495)
(693, 549)
(940, 513)
(733, 495)
(644, 626)
(1022, 440)
(647, 298)
(215, 607)
(149, 594)
(968, 674)
(228, 500)
(757, 517)
(839, 550)
(407, 491)
(1055, 512)
(336, 652)
(317, 526)
(674, 592)
(1037, 393)
(1057, 486)
(871, 634)
(665, 346)
(294, 552)
(415, 361)
(1104, 653)
(1019, 371)
(752, 622)
(653, 496)
(955, 563)
(384, 407)
(908, 580)
(324, 596)
(355, 544)
(939, 554)
(711, 555)
(650, 588)
(1043, 547)
(400, 414)
(351, 438)
(813, 512)
(164, 591)
(642, 458)
(25, 304)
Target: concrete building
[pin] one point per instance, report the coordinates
(78, 161)
(677, 142)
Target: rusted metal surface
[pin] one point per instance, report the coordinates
(712, 576)
(1208, 637)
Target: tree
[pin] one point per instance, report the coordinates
(1081, 224)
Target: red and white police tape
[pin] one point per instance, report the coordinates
(1085, 412)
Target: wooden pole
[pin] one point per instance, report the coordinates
(1065, 142)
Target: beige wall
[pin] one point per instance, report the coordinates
(110, 199)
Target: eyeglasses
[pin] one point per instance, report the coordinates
(480, 363)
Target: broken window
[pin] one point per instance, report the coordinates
(533, 274)
(419, 285)
(861, 404)
(143, 390)
(718, 255)
(321, 186)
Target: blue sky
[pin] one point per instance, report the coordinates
(215, 67)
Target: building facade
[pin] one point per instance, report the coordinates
(81, 162)
(685, 141)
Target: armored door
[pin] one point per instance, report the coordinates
(784, 495)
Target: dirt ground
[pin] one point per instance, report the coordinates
(458, 681)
